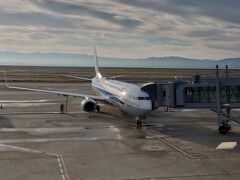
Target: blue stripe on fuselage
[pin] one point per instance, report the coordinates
(110, 95)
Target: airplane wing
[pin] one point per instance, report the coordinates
(56, 92)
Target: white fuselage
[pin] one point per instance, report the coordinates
(128, 97)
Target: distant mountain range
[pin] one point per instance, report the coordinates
(82, 60)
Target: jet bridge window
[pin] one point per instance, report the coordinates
(200, 94)
(230, 94)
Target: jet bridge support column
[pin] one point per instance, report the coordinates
(66, 104)
(224, 127)
(218, 96)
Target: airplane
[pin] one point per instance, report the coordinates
(129, 98)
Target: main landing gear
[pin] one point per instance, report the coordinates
(223, 120)
(97, 108)
(224, 128)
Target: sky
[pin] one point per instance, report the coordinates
(203, 29)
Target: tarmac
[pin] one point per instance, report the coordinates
(37, 142)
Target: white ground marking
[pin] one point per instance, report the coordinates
(153, 148)
(26, 104)
(4, 147)
(60, 168)
(40, 140)
(27, 101)
(52, 130)
(52, 112)
(227, 145)
(189, 110)
(84, 133)
(61, 165)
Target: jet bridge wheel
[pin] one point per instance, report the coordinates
(224, 129)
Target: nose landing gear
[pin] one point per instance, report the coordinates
(139, 124)
(139, 121)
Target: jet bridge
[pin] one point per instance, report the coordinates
(218, 93)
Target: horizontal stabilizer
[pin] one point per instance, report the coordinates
(114, 77)
(77, 77)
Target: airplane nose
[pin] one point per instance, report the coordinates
(150, 106)
(147, 105)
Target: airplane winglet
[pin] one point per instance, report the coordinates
(98, 74)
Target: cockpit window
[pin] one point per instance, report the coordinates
(139, 98)
(143, 98)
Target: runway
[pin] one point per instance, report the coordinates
(37, 142)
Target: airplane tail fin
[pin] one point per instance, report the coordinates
(98, 74)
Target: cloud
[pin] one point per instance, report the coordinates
(79, 9)
(205, 33)
(220, 9)
(122, 28)
(235, 47)
(33, 19)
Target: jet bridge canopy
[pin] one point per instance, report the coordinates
(152, 90)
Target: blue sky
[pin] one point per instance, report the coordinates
(122, 28)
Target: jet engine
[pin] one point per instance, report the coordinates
(89, 105)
